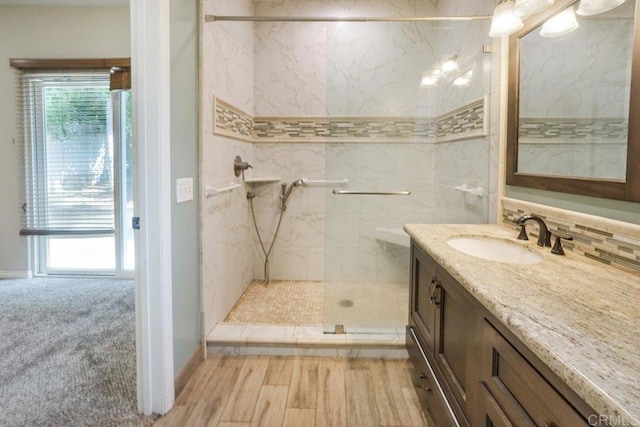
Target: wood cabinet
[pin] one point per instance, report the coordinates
(443, 323)
(524, 395)
(470, 369)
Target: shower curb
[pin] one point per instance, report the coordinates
(301, 340)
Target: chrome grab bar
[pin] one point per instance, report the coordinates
(371, 193)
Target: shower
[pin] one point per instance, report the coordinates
(368, 150)
(284, 197)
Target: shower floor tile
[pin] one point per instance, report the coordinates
(280, 302)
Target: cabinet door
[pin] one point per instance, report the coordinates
(521, 392)
(455, 339)
(423, 309)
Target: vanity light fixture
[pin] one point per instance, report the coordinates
(504, 21)
(529, 7)
(561, 24)
(595, 7)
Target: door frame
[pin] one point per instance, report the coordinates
(150, 62)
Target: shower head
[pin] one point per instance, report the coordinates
(286, 192)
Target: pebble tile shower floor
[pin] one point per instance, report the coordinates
(280, 302)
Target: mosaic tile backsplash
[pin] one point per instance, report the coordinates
(469, 120)
(601, 244)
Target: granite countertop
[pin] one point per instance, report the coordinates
(580, 317)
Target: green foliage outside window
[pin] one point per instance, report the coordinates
(75, 111)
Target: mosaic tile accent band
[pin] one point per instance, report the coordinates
(574, 128)
(467, 121)
(601, 245)
(232, 120)
(343, 127)
(470, 118)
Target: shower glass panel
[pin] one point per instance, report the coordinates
(404, 129)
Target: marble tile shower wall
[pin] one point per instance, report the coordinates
(316, 219)
(329, 237)
(471, 161)
(226, 233)
(342, 69)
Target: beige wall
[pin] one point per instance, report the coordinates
(43, 32)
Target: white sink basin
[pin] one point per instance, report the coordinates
(495, 249)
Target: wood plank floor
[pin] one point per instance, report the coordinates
(265, 391)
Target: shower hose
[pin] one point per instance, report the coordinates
(267, 253)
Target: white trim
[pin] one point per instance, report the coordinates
(150, 61)
(15, 275)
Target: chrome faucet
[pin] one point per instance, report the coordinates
(545, 235)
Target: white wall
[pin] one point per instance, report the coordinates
(43, 32)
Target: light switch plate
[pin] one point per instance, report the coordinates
(184, 190)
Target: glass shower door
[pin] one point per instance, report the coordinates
(403, 146)
(367, 252)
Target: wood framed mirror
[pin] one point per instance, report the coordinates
(573, 108)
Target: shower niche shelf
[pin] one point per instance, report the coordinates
(262, 180)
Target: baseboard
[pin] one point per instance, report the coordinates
(188, 370)
(15, 275)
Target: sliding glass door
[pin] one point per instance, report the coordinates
(81, 176)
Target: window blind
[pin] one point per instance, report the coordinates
(65, 129)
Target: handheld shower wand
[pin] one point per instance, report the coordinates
(284, 196)
(286, 192)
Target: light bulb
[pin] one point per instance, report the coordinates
(560, 24)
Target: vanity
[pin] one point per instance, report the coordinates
(552, 342)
